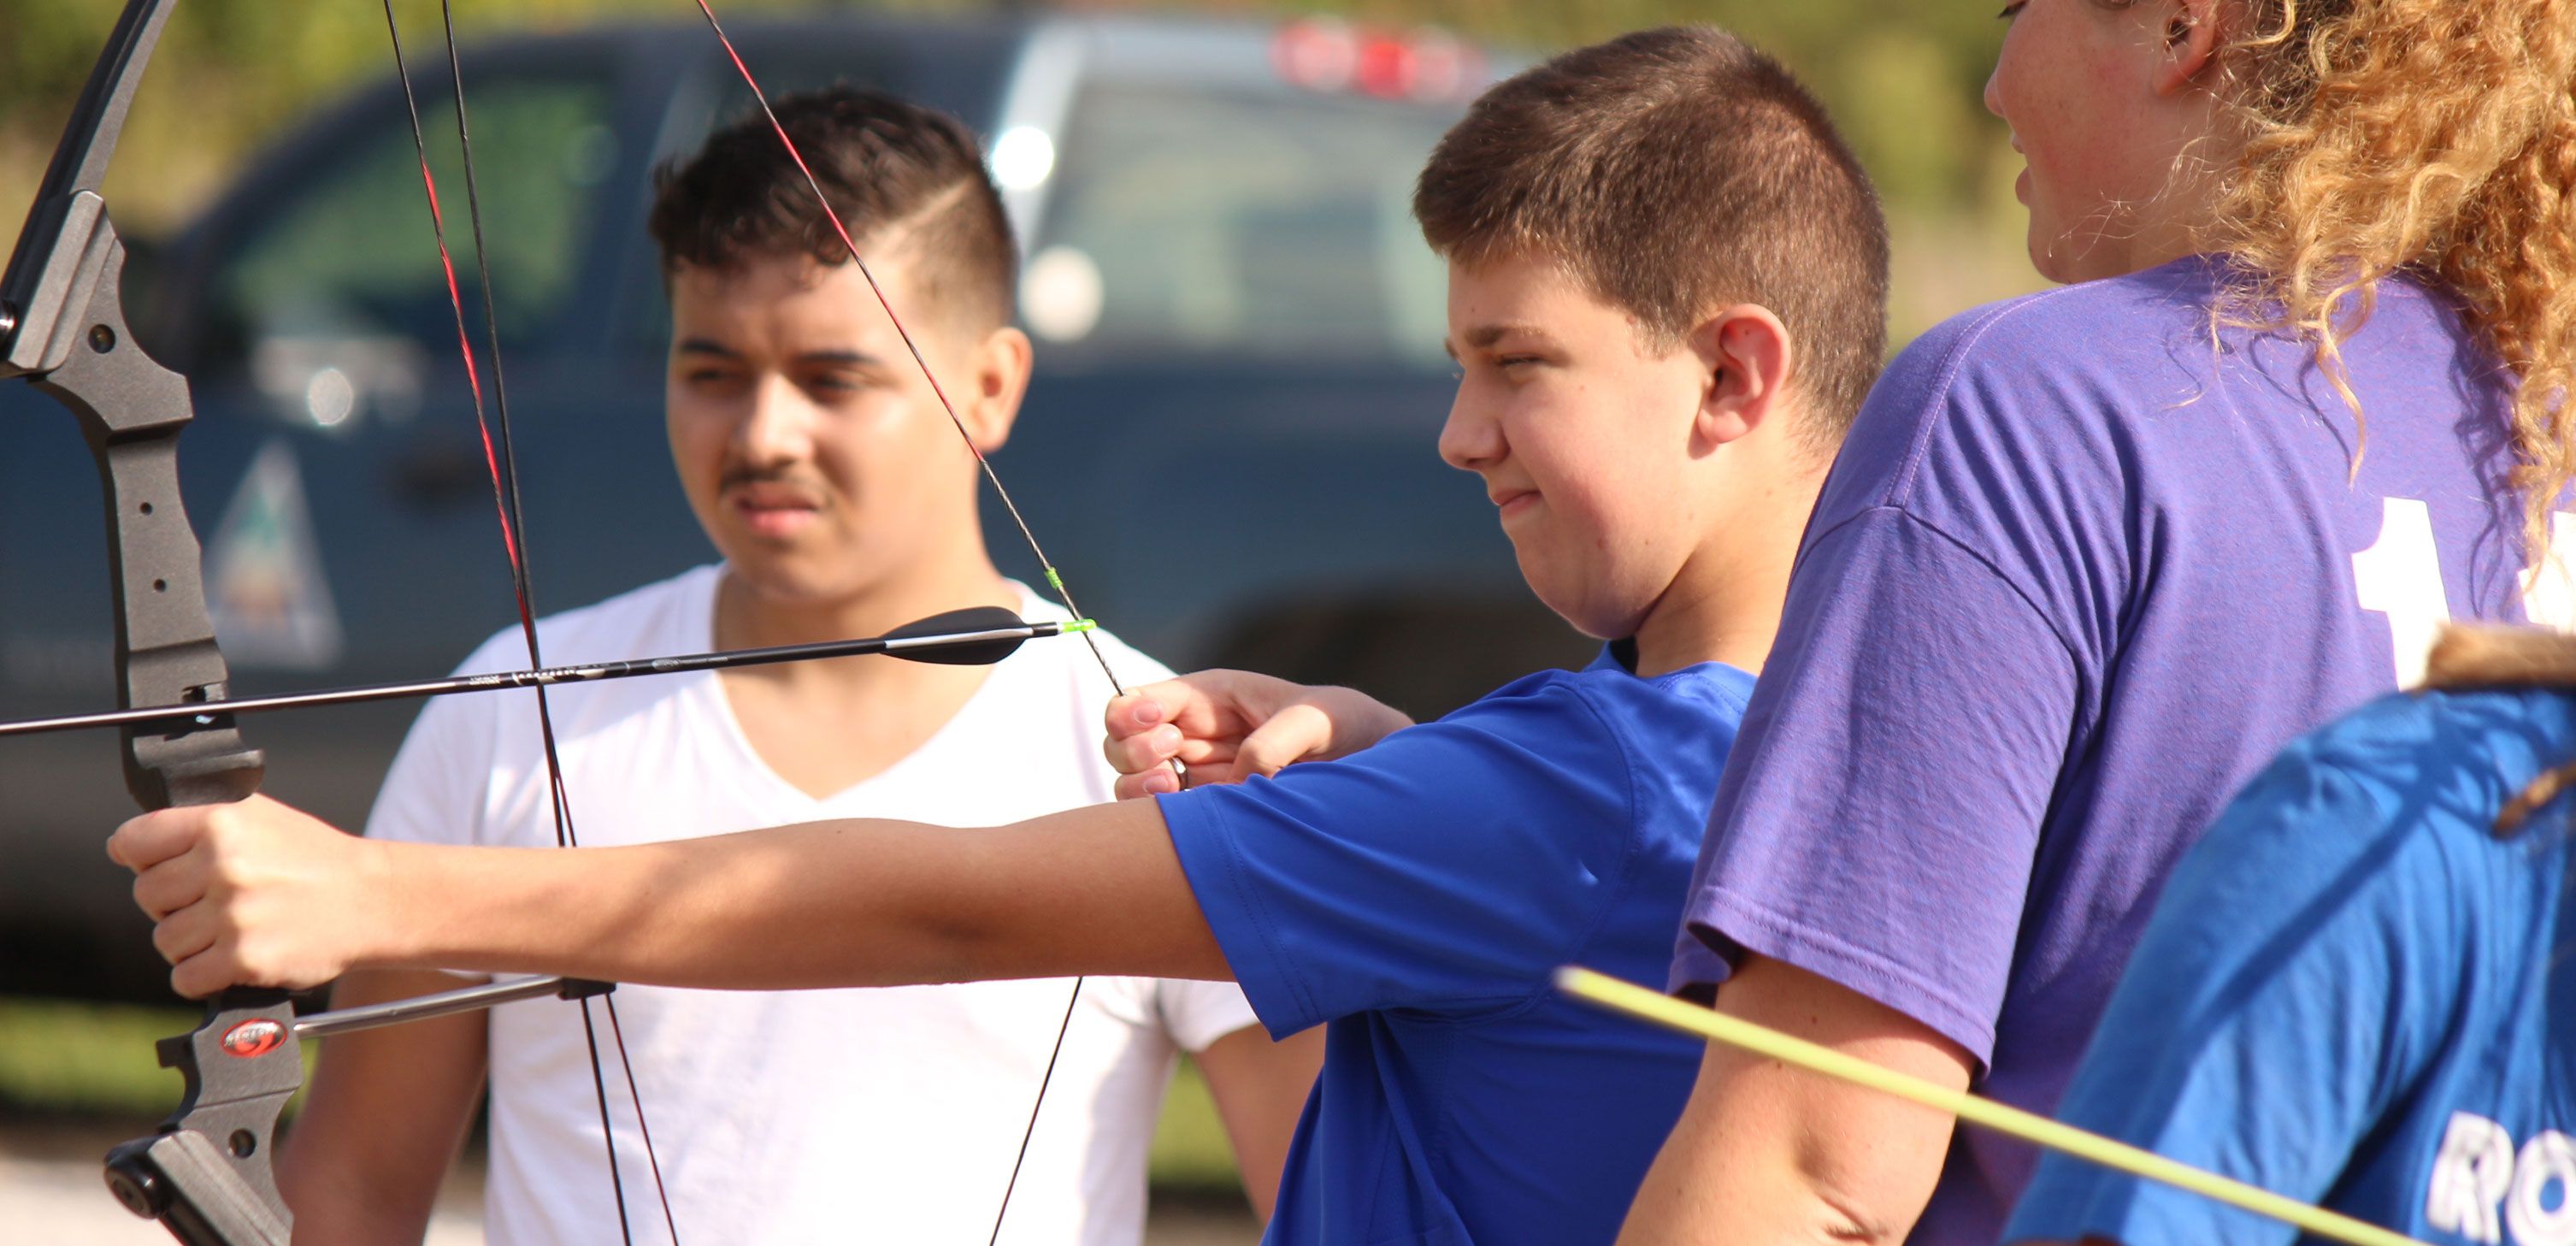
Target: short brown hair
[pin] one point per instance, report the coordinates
(884, 164)
(1672, 172)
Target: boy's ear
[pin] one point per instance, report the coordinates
(999, 379)
(2191, 45)
(1748, 356)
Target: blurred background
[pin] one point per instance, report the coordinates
(1902, 77)
(1235, 319)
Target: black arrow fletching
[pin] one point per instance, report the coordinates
(970, 653)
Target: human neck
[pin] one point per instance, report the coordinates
(1724, 604)
(747, 615)
(2181, 218)
(2155, 240)
(826, 726)
(1725, 608)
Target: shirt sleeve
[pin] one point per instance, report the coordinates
(1197, 1014)
(431, 793)
(1450, 867)
(1878, 819)
(2296, 975)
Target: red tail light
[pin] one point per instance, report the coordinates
(1328, 54)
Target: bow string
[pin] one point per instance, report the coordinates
(500, 460)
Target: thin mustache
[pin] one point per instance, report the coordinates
(737, 476)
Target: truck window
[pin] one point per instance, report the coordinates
(345, 280)
(1263, 224)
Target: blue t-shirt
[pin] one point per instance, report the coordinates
(2356, 993)
(1416, 896)
(2080, 571)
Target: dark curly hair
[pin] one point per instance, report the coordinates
(894, 171)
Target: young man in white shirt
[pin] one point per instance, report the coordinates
(825, 471)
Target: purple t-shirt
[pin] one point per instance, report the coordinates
(2080, 570)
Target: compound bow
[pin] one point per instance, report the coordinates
(63, 326)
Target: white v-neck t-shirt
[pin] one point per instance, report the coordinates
(844, 1116)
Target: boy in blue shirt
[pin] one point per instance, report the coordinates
(2356, 990)
(1667, 287)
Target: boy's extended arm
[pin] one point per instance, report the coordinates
(257, 892)
(1769, 1154)
(385, 1115)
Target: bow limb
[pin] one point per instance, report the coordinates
(241, 1063)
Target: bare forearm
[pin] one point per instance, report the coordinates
(775, 909)
(383, 1119)
(823, 904)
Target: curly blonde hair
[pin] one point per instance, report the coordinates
(2430, 136)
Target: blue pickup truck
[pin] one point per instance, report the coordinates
(1228, 446)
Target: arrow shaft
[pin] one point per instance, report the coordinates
(205, 714)
(1607, 992)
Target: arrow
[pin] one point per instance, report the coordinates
(1603, 991)
(976, 636)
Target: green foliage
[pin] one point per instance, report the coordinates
(1902, 76)
(230, 75)
(1190, 1148)
(90, 1060)
(94, 1062)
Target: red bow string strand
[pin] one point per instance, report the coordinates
(500, 461)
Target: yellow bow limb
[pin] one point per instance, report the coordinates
(1661, 1009)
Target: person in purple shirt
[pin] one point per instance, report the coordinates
(2090, 558)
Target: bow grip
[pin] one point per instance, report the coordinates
(131, 411)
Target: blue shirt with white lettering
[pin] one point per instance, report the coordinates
(1416, 898)
(2354, 992)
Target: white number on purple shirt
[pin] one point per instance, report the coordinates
(2400, 576)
